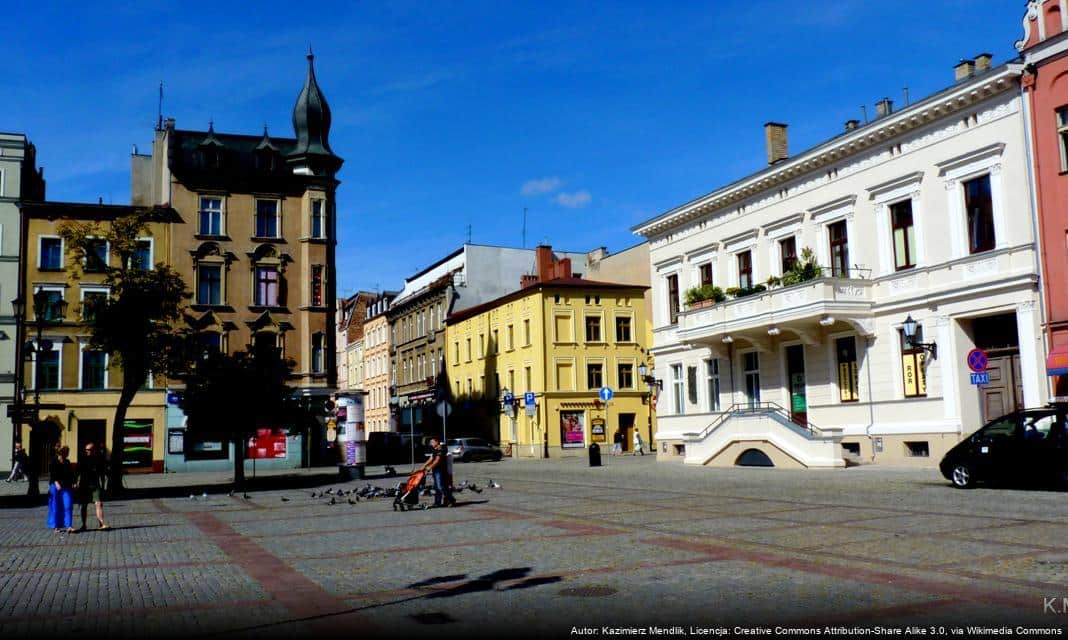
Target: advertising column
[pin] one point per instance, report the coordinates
(350, 434)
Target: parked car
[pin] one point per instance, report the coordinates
(391, 447)
(468, 449)
(1029, 446)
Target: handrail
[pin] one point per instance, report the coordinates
(755, 408)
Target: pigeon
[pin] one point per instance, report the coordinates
(351, 501)
(314, 495)
(285, 499)
(330, 492)
(390, 471)
(332, 501)
(231, 494)
(245, 496)
(494, 485)
(204, 495)
(192, 497)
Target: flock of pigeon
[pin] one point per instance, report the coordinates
(370, 492)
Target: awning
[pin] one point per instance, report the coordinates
(1057, 361)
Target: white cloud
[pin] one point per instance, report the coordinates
(575, 200)
(545, 185)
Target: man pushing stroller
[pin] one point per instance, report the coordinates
(438, 466)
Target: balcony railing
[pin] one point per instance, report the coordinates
(745, 409)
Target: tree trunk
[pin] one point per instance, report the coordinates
(129, 390)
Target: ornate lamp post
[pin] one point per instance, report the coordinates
(653, 383)
(909, 327)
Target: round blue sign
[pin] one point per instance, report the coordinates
(606, 394)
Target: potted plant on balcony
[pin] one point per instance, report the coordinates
(803, 270)
(703, 296)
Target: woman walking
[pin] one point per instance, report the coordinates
(60, 492)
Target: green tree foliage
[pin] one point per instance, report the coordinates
(135, 322)
(235, 394)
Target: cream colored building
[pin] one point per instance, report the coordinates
(922, 213)
(376, 367)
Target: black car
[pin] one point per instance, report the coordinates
(1029, 446)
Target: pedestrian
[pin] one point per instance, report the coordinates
(638, 444)
(19, 463)
(90, 484)
(60, 496)
(437, 465)
(617, 443)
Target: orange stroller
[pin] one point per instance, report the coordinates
(408, 497)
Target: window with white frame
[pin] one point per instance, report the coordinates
(678, 389)
(267, 222)
(47, 364)
(745, 269)
(1062, 135)
(94, 369)
(712, 383)
(209, 283)
(979, 208)
(141, 258)
(318, 219)
(51, 310)
(705, 273)
(96, 255)
(317, 353)
(267, 285)
(50, 253)
(903, 234)
(211, 216)
(838, 237)
(751, 371)
(93, 299)
(673, 298)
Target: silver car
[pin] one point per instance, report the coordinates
(468, 449)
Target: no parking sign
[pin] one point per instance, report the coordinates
(977, 362)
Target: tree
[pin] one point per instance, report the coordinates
(238, 393)
(136, 322)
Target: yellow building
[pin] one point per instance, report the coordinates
(77, 388)
(562, 339)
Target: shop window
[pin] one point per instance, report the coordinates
(912, 366)
(846, 353)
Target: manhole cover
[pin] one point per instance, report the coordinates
(588, 592)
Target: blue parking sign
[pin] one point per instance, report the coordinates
(528, 398)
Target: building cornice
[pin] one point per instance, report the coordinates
(934, 108)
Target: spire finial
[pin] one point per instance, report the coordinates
(311, 56)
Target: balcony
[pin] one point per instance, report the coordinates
(803, 309)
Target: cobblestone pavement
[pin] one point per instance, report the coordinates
(560, 549)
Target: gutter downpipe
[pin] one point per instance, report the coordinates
(1040, 250)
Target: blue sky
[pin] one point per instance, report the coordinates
(450, 115)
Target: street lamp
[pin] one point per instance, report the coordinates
(910, 327)
(653, 383)
(45, 309)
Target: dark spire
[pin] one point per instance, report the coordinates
(210, 139)
(265, 142)
(311, 117)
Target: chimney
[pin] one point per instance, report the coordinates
(982, 62)
(852, 124)
(964, 69)
(169, 124)
(884, 107)
(775, 137)
(543, 261)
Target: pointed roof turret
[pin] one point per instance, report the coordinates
(265, 142)
(211, 140)
(311, 117)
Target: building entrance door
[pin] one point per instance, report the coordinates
(627, 426)
(1004, 394)
(795, 375)
(91, 431)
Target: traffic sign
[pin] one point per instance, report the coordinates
(981, 377)
(528, 398)
(605, 394)
(509, 398)
(977, 360)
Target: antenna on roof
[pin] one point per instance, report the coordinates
(864, 110)
(468, 234)
(524, 227)
(159, 112)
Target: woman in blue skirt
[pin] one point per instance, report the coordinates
(60, 492)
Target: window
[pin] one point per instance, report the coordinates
(751, 367)
(593, 329)
(511, 338)
(918, 449)
(673, 298)
(318, 219)
(623, 329)
(317, 353)
(745, 270)
(846, 354)
(595, 375)
(96, 255)
(456, 353)
(267, 286)
(677, 389)
(788, 253)
(317, 285)
(912, 362)
(705, 271)
(209, 284)
(904, 235)
(1062, 134)
(839, 249)
(94, 368)
(47, 366)
(142, 255)
(625, 373)
(266, 218)
(210, 342)
(92, 299)
(712, 377)
(526, 333)
(51, 256)
(496, 343)
(468, 352)
(980, 207)
(51, 311)
(210, 217)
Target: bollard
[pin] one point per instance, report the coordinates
(595, 455)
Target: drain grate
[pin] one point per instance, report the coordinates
(591, 591)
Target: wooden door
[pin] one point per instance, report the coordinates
(1004, 394)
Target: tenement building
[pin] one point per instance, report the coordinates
(376, 369)
(256, 245)
(825, 306)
